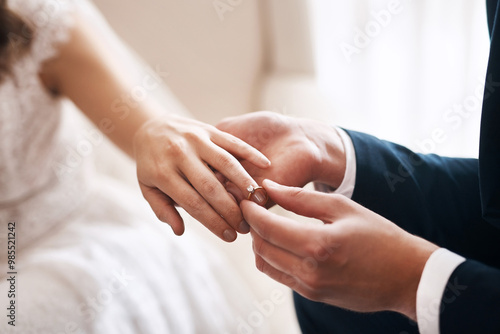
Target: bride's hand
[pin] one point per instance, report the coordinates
(173, 154)
(175, 161)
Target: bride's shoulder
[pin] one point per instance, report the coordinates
(48, 24)
(40, 12)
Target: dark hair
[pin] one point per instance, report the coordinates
(15, 37)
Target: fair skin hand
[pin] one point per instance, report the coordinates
(175, 156)
(356, 260)
(301, 150)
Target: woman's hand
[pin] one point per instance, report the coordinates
(176, 158)
(174, 155)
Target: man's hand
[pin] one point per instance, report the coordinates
(357, 260)
(175, 162)
(301, 150)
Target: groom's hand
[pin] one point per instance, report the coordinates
(357, 260)
(300, 150)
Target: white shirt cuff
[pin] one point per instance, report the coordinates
(346, 188)
(437, 271)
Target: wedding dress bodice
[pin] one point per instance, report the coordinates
(42, 175)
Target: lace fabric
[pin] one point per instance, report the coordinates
(34, 147)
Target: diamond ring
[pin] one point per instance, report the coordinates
(257, 195)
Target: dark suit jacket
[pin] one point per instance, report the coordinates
(452, 202)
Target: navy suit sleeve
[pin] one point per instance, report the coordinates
(431, 196)
(471, 300)
(438, 199)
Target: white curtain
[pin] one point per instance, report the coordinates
(407, 71)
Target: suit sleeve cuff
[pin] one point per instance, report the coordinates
(346, 188)
(437, 271)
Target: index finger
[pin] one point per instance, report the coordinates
(240, 148)
(277, 230)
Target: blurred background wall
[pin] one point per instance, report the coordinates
(214, 59)
(408, 71)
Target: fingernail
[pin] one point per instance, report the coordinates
(260, 197)
(229, 235)
(244, 227)
(266, 162)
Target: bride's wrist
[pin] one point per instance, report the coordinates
(143, 132)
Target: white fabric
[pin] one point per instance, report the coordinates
(346, 187)
(91, 257)
(437, 272)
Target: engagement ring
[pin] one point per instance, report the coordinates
(257, 195)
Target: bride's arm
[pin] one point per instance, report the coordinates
(172, 153)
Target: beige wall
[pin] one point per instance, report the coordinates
(213, 63)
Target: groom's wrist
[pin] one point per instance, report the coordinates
(331, 163)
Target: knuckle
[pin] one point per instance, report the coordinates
(259, 247)
(235, 141)
(312, 248)
(161, 174)
(175, 148)
(214, 223)
(234, 212)
(194, 203)
(148, 174)
(339, 260)
(291, 281)
(307, 280)
(225, 161)
(339, 200)
(298, 194)
(311, 280)
(192, 136)
(208, 188)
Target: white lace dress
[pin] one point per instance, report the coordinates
(90, 256)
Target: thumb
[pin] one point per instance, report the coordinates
(303, 202)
